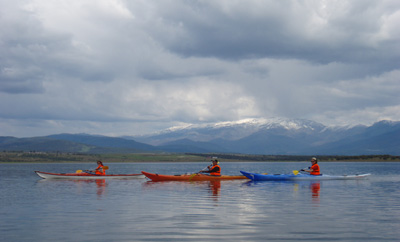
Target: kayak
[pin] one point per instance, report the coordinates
(84, 175)
(293, 177)
(190, 177)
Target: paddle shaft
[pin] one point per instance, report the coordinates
(193, 175)
(295, 172)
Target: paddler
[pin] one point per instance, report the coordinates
(314, 169)
(100, 170)
(214, 169)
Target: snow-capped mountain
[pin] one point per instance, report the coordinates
(233, 130)
(250, 136)
(279, 136)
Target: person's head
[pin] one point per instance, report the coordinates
(214, 160)
(99, 162)
(314, 160)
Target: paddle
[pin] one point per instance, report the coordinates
(194, 174)
(86, 171)
(295, 172)
(80, 171)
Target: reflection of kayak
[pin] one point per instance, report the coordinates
(292, 177)
(84, 175)
(189, 177)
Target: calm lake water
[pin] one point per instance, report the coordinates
(35, 209)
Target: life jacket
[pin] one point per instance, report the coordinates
(315, 169)
(217, 173)
(100, 170)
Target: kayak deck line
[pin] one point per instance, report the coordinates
(190, 177)
(84, 175)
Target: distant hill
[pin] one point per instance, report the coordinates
(111, 143)
(43, 144)
(252, 136)
(74, 143)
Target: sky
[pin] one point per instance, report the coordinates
(116, 67)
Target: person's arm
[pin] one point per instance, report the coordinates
(309, 170)
(99, 167)
(215, 169)
(210, 170)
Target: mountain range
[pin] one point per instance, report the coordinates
(249, 136)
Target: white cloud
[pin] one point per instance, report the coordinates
(127, 67)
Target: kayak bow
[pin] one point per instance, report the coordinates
(292, 177)
(84, 175)
(190, 177)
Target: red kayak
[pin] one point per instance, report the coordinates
(190, 177)
(85, 175)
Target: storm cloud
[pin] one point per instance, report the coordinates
(117, 67)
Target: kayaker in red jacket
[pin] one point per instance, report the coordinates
(314, 169)
(99, 170)
(215, 169)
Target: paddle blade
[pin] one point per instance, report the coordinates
(191, 176)
(105, 167)
(79, 171)
(295, 172)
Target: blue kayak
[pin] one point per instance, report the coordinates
(300, 176)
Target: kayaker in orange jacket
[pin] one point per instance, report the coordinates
(214, 169)
(99, 170)
(314, 169)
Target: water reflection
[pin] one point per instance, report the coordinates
(81, 185)
(315, 189)
(297, 186)
(213, 187)
(101, 186)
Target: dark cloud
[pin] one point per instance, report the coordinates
(13, 86)
(290, 30)
(127, 67)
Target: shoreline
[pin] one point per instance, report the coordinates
(33, 157)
